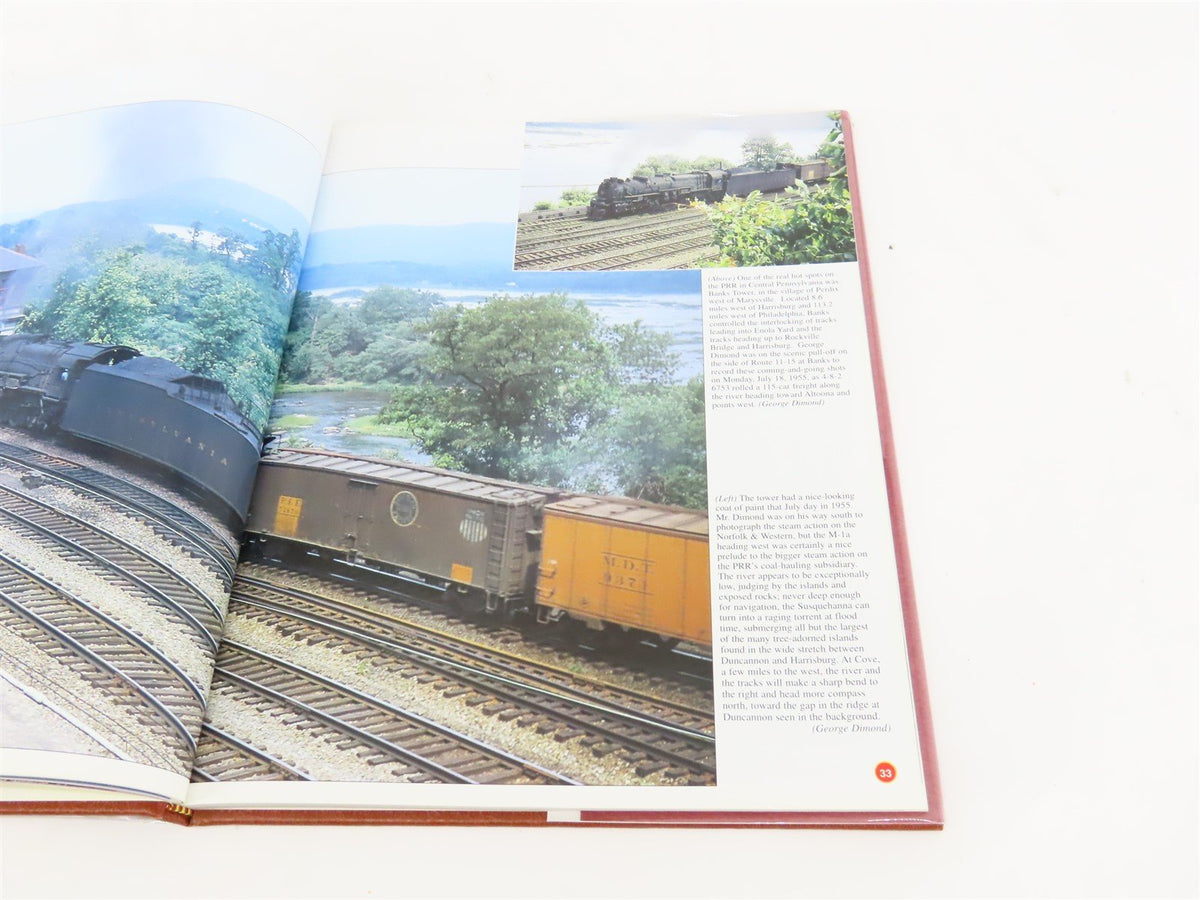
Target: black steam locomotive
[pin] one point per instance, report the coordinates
(140, 405)
(645, 193)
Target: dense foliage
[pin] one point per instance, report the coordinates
(819, 228)
(538, 389)
(669, 163)
(816, 227)
(833, 148)
(219, 312)
(765, 152)
(373, 341)
(569, 197)
(654, 445)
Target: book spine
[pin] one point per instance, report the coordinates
(168, 812)
(908, 600)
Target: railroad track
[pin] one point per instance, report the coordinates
(684, 252)
(413, 748)
(688, 259)
(220, 756)
(652, 257)
(249, 591)
(542, 215)
(113, 560)
(692, 664)
(106, 654)
(572, 231)
(607, 722)
(657, 240)
(214, 547)
(599, 252)
(675, 669)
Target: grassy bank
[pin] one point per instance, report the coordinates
(369, 425)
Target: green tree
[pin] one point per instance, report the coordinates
(505, 380)
(539, 389)
(211, 317)
(641, 356)
(670, 163)
(765, 152)
(296, 361)
(569, 197)
(577, 197)
(106, 308)
(339, 336)
(276, 258)
(818, 228)
(661, 164)
(833, 148)
(373, 341)
(232, 245)
(388, 305)
(653, 447)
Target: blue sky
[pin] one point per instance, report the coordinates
(124, 151)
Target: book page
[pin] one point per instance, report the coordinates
(149, 255)
(578, 499)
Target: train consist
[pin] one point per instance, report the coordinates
(150, 408)
(645, 193)
(632, 570)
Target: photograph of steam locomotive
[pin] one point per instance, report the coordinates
(149, 256)
(150, 410)
(684, 194)
(650, 193)
(477, 549)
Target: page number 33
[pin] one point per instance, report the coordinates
(885, 772)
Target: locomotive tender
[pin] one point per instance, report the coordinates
(635, 570)
(143, 406)
(644, 193)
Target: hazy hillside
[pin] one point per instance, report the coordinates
(217, 203)
(475, 256)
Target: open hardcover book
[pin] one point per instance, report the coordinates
(562, 494)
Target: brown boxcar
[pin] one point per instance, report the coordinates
(815, 170)
(472, 536)
(637, 566)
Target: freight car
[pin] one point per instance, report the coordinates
(813, 171)
(631, 570)
(474, 537)
(623, 564)
(645, 193)
(149, 408)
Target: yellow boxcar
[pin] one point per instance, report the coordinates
(635, 565)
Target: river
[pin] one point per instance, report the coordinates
(332, 410)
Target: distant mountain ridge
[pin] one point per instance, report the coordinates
(74, 234)
(222, 199)
(489, 278)
(475, 256)
(217, 203)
